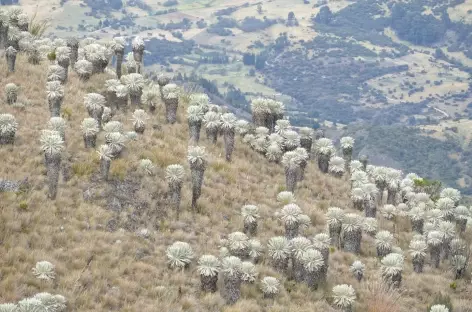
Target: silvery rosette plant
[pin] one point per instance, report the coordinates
(197, 159)
(324, 150)
(63, 59)
(285, 198)
(334, 219)
(439, 308)
(163, 79)
(291, 162)
(243, 127)
(351, 233)
(459, 264)
(347, 144)
(52, 146)
(446, 206)
(322, 242)
(212, 123)
(84, 69)
(250, 214)
(291, 140)
(73, 44)
(298, 246)
(111, 87)
(448, 231)
(289, 216)
(171, 101)
(11, 91)
(306, 138)
(146, 166)
(357, 268)
(231, 268)
(255, 250)
(139, 120)
(370, 226)
(55, 96)
(149, 97)
(10, 54)
(313, 264)
(8, 128)
(248, 272)
(228, 126)
(138, 51)
(282, 126)
(135, 84)
(175, 175)
(336, 166)
(303, 160)
(117, 46)
(56, 73)
(379, 175)
(383, 243)
(105, 153)
(434, 239)
(418, 249)
(270, 286)
(416, 215)
(98, 55)
(95, 103)
(452, 194)
(392, 268)
(58, 124)
(238, 245)
(195, 118)
(260, 111)
(461, 215)
(344, 297)
(393, 178)
(179, 255)
(44, 270)
(279, 252)
(208, 268)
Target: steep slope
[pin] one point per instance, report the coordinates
(90, 232)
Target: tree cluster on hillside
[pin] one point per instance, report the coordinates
(166, 49)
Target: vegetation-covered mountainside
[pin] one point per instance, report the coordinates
(111, 200)
(387, 63)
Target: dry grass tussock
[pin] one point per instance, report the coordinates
(102, 270)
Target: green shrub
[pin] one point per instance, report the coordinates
(52, 56)
(453, 285)
(66, 113)
(23, 205)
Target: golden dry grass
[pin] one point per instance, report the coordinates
(70, 232)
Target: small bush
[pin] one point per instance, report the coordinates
(66, 113)
(118, 169)
(52, 56)
(23, 205)
(453, 285)
(83, 168)
(219, 166)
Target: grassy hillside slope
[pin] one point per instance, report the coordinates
(103, 265)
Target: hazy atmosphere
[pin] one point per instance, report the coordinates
(230, 155)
